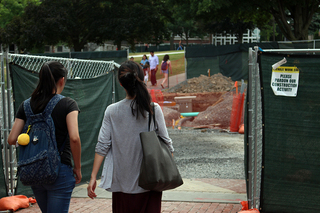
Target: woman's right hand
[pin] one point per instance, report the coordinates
(91, 187)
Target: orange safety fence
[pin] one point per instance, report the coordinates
(156, 96)
(245, 208)
(236, 112)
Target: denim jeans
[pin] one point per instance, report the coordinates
(56, 197)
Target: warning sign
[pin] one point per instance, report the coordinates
(285, 80)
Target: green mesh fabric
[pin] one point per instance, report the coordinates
(229, 60)
(92, 95)
(291, 146)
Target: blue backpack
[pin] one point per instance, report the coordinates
(39, 161)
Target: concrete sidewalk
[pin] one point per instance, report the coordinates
(193, 190)
(173, 81)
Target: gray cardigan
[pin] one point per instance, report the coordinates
(119, 142)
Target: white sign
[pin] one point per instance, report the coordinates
(285, 80)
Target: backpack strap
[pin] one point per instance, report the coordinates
(64, 143)
(27, 107)
(48, 110)
(51, 104)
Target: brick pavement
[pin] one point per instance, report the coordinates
(86, 205)
(83, 204)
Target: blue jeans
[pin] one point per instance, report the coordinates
(56, 197)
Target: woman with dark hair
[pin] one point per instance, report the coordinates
(119, 144)
(52, 79)
(144, 60)
(165, 67)
(146, 67)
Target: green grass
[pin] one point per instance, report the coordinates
(177, 62)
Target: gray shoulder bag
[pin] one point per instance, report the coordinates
(158, 170)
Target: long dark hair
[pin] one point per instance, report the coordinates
(166, 57)
(130, 75)
(49, 75)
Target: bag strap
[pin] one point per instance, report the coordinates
(64, 143)
(154, 117)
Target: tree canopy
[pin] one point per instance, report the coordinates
(229, 16)
(77, 22)
(292, 16)
(11, 8)
(135, 21)
(34, 23)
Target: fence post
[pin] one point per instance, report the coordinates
(185, 63)
(114, 85)
(11, 160)
(256, 74)
(249, 180)
(5, 127)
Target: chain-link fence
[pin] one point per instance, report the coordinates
(254, 131)
(77, 69)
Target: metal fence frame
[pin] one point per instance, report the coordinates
(254, 130)
(6, 99)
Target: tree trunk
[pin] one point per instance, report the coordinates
(210, 38)
(239, 37)
(172, 42)
(118, 43)
(77, 46)
(301, 15)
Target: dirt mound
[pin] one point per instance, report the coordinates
(200, 103)
(217, 115)
(214, 97)
(169, 115)
(215, 83)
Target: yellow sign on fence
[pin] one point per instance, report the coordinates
(285, 80)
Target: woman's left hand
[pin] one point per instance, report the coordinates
(77, 175)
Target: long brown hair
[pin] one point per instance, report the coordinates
(166, 57)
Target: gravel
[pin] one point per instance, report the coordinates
(208, 153)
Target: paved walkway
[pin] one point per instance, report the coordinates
(173, 80)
